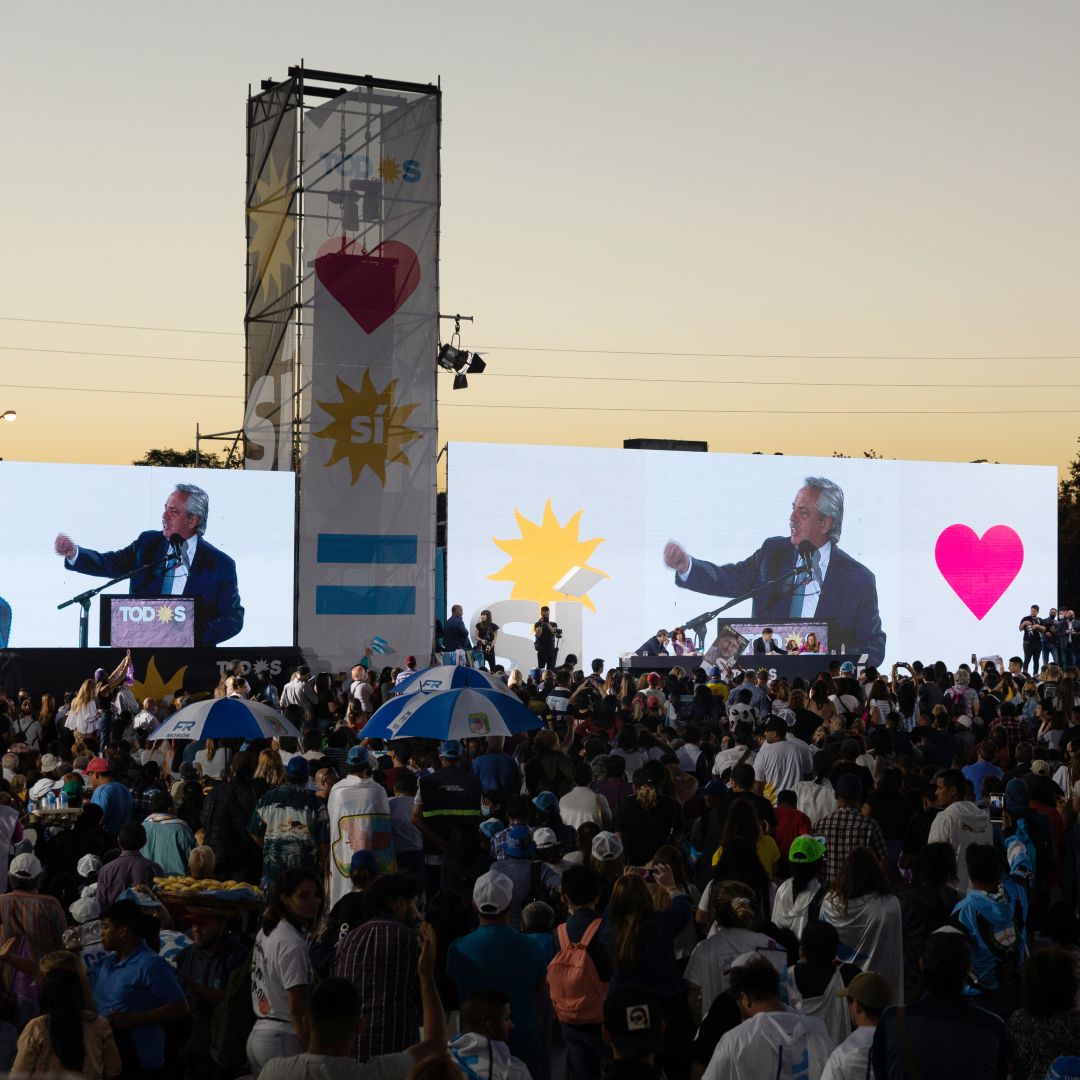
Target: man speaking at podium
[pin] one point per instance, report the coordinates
(829, 583)
(205, 573)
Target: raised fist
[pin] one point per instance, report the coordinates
(65, 546)
(677, 557)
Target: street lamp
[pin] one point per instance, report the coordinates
(10, 416)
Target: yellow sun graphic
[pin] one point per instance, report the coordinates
(543, 555)
(367, 427)
(153, 685)
(389, 169)
(165, 613)
(273, 229)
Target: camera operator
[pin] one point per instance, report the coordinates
(486, 632)
(546, 636)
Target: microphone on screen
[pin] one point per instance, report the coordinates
(806, 553)
(176, 541)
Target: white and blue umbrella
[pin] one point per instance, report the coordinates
(226, 718)
(468, 712)
(450, 677)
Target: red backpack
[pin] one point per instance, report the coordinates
(577, 993)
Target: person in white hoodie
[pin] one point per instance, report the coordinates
(796, 895)
(869, 995)
(958, 823)
(773, 1040)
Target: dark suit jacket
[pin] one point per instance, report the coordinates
(848, 594)
(760, 645)
(652, 647)
(211, 581)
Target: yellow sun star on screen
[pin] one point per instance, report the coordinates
(389, 169)
(543, 555)
(165, 613)
(273, 229)
(368, 428)
(153, 685)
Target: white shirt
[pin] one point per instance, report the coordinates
(359, 812)
(728, 759)
(279, 962)
(710, 962)
(851, 1059)
(781, 765)
(180, 574)
(580, 805)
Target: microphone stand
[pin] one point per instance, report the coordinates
(84, 598)
(699, 623)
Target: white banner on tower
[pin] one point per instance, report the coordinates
(367, 488)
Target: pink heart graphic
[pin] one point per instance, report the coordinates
(978, 569)
(369, 285)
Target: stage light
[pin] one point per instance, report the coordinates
(10, 416)
(452, 359)
(350, 213)
(476, 365)
(460, 381)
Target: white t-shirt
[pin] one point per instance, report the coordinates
(815, 800)
(212, 767)
(850, 1060)
(710, 962)
(279, 962)
(728, 759)
(781, 765)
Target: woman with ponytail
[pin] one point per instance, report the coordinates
(649, 818)
(738, 930)
(67, 1037)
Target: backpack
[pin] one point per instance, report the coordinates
(577, 994)
(957, 695)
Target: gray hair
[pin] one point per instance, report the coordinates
(198, 504)
(830, 503)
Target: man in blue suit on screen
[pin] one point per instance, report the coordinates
(831, 584)
(205, 573)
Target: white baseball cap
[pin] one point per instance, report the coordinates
(493, 893)
(545, 838)
(606, 847)
(87, 865)
(25, 866)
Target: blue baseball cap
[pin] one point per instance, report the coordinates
(358, 755)
(297, 770)
(491, 827)
(364, 860)
(519, 842)
(545, 802)
(450, 749)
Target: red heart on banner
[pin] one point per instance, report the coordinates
(979, 569)
(369, 285)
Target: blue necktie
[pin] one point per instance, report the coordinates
(798, 596)
(167, 581)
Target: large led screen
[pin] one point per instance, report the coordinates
(115, 519)
(925, 561)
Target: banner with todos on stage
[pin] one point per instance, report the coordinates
(367, 490)
(899, 560)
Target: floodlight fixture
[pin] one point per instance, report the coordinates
(10, 416)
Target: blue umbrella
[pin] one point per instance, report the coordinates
(226, 718)
(449, 677)
(465, 713)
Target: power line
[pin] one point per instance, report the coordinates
(581, 350)
(121, 326)
(106, 390)
(766, 412)
(604, 378)
(118, 356)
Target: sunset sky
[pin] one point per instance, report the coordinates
(791, 226)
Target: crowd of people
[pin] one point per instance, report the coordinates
(700, 873)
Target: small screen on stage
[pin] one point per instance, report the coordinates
(71, 528)
(898, 560)
(789, 636)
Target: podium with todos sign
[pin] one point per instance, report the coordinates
(148, 622)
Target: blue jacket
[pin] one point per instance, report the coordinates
(211, 580)
(848, 595)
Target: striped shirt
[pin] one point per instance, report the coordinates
(379, 959)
